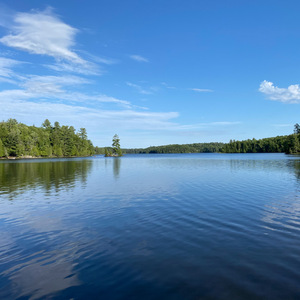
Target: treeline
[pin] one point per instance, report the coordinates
(186, 148)
(19, 140)
(289, 144)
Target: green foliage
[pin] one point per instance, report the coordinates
(281, 144)
(2, 149)
(116, 146)
(17, 139)
(99, 150)
(187, 148)
(296, 128)
(107, 152)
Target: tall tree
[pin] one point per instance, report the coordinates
(116, 145)
(47, 124)
(296, 128)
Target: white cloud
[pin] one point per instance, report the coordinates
(139, 58)
(87, 69)
(140, 89)
(45, 34)
(42, 33)
(201, 90)
(78, 115)
(286, 95)
(98, 59)
(206, 125)
(6, 72)
(167, 86)
(53, 88)
(59, 89)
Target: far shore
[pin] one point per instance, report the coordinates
(38, 157)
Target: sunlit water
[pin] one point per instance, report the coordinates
(189, 226)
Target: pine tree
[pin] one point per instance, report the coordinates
(116, 145)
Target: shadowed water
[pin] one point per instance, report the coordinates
(188, 226)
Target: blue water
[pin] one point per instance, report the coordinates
(186, 226)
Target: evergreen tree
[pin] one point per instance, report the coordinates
(2, 149)
(296, 128)
(18, 139)
(116, 145)
(107, 152)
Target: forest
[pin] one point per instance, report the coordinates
(186, 148)
(20, 140)
(289, 144)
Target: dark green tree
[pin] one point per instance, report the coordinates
(116, 145)
(21, 140)
(47, 124)
(2, 149)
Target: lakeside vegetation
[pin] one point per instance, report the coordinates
(20, 140)
(115, 150)
(289, 144)
(186, 148)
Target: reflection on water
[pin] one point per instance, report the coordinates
(206, 226)
(19, 176)
(117, 166)
(295, 164)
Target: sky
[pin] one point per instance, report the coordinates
(154, 72)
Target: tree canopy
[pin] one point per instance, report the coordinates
(18, 139)
(115, 150)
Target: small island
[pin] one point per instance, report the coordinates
(115, 150)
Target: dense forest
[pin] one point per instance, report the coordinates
(187, 148)
(20, 140)
(289, 144)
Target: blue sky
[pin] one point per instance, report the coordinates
(155, 72)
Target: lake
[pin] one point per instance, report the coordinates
(172, 226)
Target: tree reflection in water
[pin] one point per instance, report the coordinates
(17, 177)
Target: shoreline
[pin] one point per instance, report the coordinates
(39, 157)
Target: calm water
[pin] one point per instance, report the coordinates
(189, 226)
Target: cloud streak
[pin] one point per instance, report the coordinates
(201, 90)
(139, 58)
(291, 94)
(140, 89)
(6, 72)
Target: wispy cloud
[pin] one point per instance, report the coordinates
(93, 118)
(99, 59)
(208, 124)
(168, 86)
(140, 89)
(45, 34)
(139, 58)
(291, 94)
(87, 69)
(201, 90)
(42, 33)
(6, 72)
(57, 89)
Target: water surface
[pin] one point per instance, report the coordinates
(188, 226)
